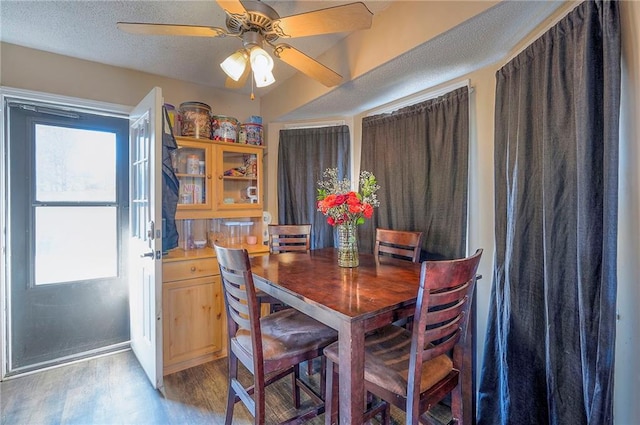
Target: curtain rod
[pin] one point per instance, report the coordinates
(417, 98)
(316, 124)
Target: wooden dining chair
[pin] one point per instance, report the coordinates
(401, 244)
(285, 238)
(405, 245)
(414, 370)
(270, 347)
(289, 238)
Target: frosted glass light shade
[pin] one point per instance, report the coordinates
(264, 79)
(235, 65)
(261, 62)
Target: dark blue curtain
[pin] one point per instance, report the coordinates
(549, 353)
(420, 156)
(303, 155)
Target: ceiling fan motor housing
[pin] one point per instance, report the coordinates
(258, 19)
(252, 38)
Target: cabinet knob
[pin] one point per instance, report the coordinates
(220, 177)
(193, 268)
(209, 176)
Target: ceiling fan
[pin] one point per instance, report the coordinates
(257, 24)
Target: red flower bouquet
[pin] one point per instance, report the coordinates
(341, 204)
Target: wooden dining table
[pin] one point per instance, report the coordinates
(351, 300)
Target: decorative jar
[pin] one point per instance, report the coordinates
(195, 120)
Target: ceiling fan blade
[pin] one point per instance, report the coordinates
(307, 65)
(350, 17)
(232, 6)
(170, 29)
(233, 84)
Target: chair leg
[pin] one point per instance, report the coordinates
(332, 398)
(310, 370)
(323, 374)
(259, 400)
(386, 415)
(456, 405)
(377, 406)
(296, 389)
(231, 395)
(331, 393)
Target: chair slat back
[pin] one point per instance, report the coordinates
(239, 293)
(442, 309)
(441, 317)
(400, 244)
(289, 237)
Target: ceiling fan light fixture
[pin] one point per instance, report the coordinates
(261, 62)
(235, 64)
(264, 79)
(257, 23)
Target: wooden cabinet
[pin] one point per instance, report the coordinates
(238, 181)
(192, 310)
(218, 179)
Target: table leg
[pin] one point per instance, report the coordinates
(351, 354)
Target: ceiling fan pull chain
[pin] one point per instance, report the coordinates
(252, 78)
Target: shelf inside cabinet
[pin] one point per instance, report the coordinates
(190, 175)
(239, 178)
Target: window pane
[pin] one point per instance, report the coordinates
(75, 165)
(75, 243)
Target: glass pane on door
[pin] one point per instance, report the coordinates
(74, 165)
(75, 243)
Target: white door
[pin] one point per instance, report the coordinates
(145, 201)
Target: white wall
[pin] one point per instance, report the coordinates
(627, 376)
(30, 69)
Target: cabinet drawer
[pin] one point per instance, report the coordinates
(179, 270)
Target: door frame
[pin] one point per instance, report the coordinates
(95, 107)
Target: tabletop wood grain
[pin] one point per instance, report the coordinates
(353, 293)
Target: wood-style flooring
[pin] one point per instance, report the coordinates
(114, 390)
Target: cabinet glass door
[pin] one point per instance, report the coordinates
(191, 166)
(239, 178)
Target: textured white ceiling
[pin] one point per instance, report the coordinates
(477, 42)
(87, 29)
